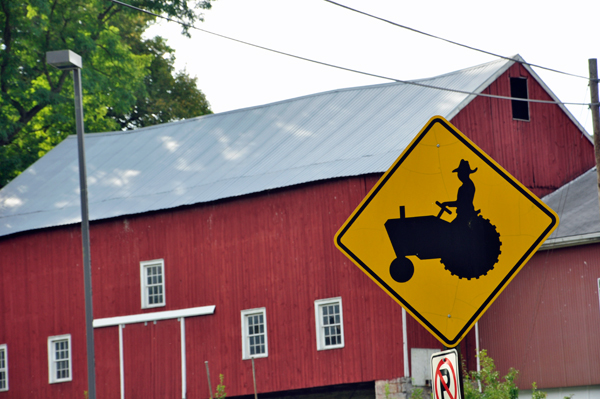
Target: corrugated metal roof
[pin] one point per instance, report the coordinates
(339, 133)
(577, 206)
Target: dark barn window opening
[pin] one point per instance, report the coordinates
(518, 89)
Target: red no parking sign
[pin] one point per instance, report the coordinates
(445, 375)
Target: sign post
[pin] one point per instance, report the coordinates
(445, 230)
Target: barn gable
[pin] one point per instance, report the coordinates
(544, 152)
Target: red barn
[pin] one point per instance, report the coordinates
(212, 240)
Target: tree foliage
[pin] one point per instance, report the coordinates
(166, 95)
(128, 81)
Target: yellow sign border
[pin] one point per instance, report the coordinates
(447, 341)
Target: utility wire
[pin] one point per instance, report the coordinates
(452, 42)
(408, 82)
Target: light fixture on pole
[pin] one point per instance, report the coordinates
(67, 60)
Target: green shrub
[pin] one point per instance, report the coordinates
(492, 385)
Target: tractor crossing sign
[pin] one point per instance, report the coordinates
(445, 230)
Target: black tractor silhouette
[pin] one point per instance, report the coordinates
(468, 247)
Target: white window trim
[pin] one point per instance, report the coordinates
(4, 348)
(245, 347)
(598, 288)
(154, 316)
(319, 322)
(144, 292)
(52, 361)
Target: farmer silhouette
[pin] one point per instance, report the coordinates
(468, 247)
(464, 198)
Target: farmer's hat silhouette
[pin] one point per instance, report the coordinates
(464, 167)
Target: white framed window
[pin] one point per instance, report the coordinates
(152, 276)
(3, 368)
(329, 321)
(59, 359)
(254, 333)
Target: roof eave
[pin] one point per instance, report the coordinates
(571, 241)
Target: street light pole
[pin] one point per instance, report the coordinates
(68, 60)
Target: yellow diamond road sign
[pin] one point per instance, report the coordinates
(445, 230)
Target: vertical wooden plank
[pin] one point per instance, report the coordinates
(152, 359)
(107, 362)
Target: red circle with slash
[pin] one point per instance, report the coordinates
(440, 378)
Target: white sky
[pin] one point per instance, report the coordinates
(559, 35)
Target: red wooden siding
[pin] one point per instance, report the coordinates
(152, 360)
(544, 153)
(546, 322)
(274, 250)
(42, 296)
(106, 344)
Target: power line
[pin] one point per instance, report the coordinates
(453, 42)
(408, 82)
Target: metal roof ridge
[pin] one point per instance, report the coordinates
(287, 100)
(369, 86)
(499, 61)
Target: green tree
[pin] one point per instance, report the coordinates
(127, 81)
(166, 95)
